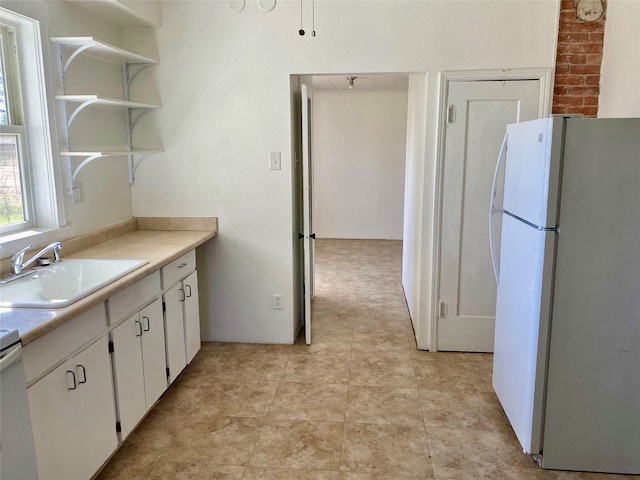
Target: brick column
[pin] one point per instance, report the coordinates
(579, 57)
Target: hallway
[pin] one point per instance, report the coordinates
(360, 403)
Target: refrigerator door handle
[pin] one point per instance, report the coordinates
(493, 211)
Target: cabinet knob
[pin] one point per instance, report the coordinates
(148, 327)
(189, 287)
(182, 294)
(182, 265)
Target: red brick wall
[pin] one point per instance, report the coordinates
(577, 77)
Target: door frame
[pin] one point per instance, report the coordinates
(430, 327)
(308, 267)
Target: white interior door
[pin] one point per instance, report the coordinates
(478, 113)
(307, 194)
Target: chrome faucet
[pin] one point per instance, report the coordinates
(16, 260)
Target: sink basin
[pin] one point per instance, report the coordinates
(63, 283)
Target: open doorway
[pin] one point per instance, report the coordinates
(358, 135)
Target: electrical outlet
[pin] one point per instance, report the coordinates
(78, 192)
(277, 301)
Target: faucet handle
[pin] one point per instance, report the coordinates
(16, 260)
(20, 255)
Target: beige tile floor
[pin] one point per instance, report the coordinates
(360, 403)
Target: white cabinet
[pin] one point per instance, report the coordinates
(51, 349)
(174, 327)
(191, 316)
(138, 347)
(182, 313)
(108, 366)
(130, 300)
(153, 352)
(139, 364)
(73, 415)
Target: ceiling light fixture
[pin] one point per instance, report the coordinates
(351, 80)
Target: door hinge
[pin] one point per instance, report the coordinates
(164, 307)
(451, 114)
(118, 427)
(111, 348)
(168, 372)
(444, 308)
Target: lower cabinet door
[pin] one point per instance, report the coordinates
(73, 416)
(154, 356)
(191, 316)
(97, 413)
(174, 329)
(128, 373)
(52, 401)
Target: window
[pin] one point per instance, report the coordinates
(14, 186)
(30, 198)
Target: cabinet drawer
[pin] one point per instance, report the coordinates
(178, 269)
(58, 344)
(132, 298)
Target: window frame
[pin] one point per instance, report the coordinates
(15, 125)
(45, 195)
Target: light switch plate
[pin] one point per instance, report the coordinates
(78, 192)
(274, 160)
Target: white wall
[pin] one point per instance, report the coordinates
(620, 75)
(359, 143)
(224, 82)
(413, 195)
(107, 193)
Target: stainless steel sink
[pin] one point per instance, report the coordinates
(63, 283)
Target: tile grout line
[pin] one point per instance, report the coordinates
(346, 404)
(264, 423)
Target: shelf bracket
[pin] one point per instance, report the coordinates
(80, 107)
(82, 164)
(134, 119)
(131, 76)
(133, 166)
(75, 53)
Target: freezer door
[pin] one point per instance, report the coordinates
(534, 151)
(521, 329)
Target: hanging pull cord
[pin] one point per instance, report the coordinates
(301, 31)
(313, 18)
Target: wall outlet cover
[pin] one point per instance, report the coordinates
(277, 301)
(275, 160)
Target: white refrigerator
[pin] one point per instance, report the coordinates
(567, 334)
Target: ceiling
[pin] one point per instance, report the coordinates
(363, 82)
